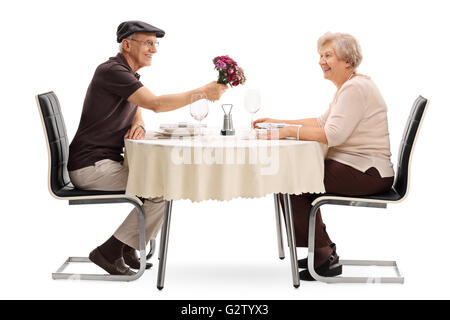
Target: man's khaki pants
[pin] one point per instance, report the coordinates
(109, 175)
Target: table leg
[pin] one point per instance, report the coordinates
(291, 239)
(164, 244)
(276, 197)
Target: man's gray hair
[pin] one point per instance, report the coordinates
(345, 45)
(130, 37)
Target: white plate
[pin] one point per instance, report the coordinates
(180, 131)
(177, 133)
(180, 125)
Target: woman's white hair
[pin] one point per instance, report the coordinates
(128, 38)
(345, 45)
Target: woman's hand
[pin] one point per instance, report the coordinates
(270, 120)
(136, 132)
(276, 134)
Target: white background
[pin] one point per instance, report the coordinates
(223, 250)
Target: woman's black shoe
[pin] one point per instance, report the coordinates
(329, 268)
(303, 263)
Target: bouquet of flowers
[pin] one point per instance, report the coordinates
(229, 72)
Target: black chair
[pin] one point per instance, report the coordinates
(60, 186)
(398, 193)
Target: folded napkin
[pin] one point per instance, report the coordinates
(271, 125)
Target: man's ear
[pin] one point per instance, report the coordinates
(126, 45)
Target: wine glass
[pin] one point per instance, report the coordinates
(252, 103)
(199, 108)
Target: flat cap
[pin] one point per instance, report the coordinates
(127, 28)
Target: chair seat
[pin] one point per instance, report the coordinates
(71, 191)
(391, 195)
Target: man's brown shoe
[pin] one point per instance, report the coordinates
(131, 258)
(117, 268)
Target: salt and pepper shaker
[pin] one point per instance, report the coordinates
(227, 129)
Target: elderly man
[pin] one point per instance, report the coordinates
(112, 112)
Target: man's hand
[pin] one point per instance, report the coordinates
(135, 132)
(214, 90)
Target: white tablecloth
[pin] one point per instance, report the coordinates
(223, 168)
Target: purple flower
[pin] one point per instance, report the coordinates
(220, 64)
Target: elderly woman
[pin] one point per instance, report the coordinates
(355, 128)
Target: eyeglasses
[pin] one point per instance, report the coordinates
(148, 43)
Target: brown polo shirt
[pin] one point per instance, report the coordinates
(107, 115)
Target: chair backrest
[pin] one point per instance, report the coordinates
(57, 142)
(410, 134)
